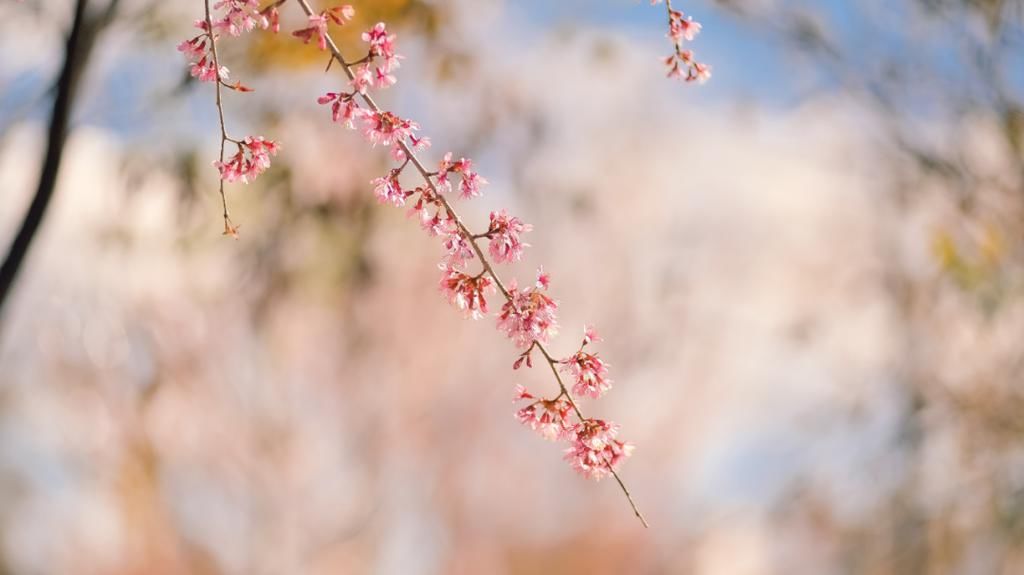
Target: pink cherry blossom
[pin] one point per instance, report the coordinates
(317, 28)
(434, 225)
(382, 45)
(699, 73)
(205, 71)
(252, 159)
(443, 169)
(595, 452)
(341, 14)
(526, 356)
(589, 373)
(458, 250)
(466, 292)
(317, 24)
(682, 27)
(362, 79)
(529, 315)
(681, 63)
(419, 144)
(383, 79)
(471, 181)
(503, 234)
(273, 17)
(549, 417)
(343, 107)
(416, 144)
(386, 128)
(543, 279)
(197, 52)
(240, 16)
(388, 190)
(195, 48)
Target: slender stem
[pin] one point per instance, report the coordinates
(565, 391)
(426, 174)
(676, 45)
(229, 228)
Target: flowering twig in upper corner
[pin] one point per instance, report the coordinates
(681, 63)
(253, 153)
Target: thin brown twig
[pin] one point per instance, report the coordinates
(426, 174)
(229, 228)
(675, 45)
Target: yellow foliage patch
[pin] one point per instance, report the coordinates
(268, 51)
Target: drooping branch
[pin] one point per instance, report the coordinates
(681, 63)
(229, 228)
(471, 238)
(528, 316)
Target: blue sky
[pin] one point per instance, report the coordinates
(746, 62)
(750, 65)
(756, 65)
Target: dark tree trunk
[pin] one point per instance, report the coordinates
(79, 43)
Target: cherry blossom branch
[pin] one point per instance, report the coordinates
(680, 28)
(253, 155)
(472, 239)
(579, 415)
(229, 228)
(528, 315)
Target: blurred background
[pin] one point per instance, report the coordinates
(808, 274)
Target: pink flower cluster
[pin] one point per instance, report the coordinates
(252, 159)
(198, 52)
(240, 16)
(237, 17)
(589, 372)
(343, 106)
(529, 314)
(681, 63)
(466, 292)
(382, 50)
(318, 24)
(386, 129)
(503, 235)
(469, 186)
(594, 450)
(552, 418)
